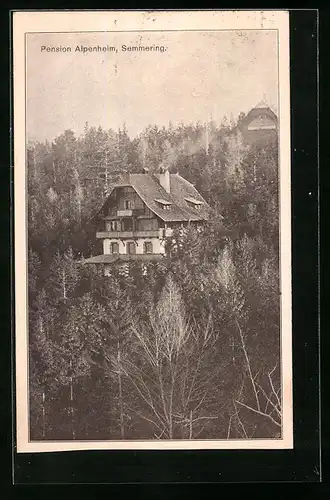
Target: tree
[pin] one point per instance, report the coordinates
(34, 271)
(234, 166)
(64, 276)
(117, 320)
(46, 368)
(169, 367)
(267, 403)
(256, 354)
(173, 345)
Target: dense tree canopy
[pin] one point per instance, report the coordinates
(190, 348)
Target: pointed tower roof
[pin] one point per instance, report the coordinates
(262, 104)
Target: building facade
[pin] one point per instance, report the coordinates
(141, 212)
(259, 125)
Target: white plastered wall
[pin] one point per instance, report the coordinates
(158, 245)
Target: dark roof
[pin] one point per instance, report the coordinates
(150, 190)
(109, 258)
(257, 111)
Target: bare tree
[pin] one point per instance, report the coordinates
(267, 402)
(256, 399)
(169, 367)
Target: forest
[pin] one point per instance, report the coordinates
(188, 350)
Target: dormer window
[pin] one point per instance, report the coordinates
(166, 205)
(193, 203)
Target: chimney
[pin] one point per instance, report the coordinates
(164, 179)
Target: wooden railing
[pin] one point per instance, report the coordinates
(128, 234)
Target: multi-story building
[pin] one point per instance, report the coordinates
(141, 212)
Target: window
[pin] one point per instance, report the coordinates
(127, 224)
(147, 247)
(147, 224)
(166, 205)
(114, 247)
(113, 225)
(130, 247)
(193, 203)
(127, 204)
(195, 206)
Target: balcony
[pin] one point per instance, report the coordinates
(127, 234)
(124, 213)
(115, 214)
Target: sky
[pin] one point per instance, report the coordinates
(199, 75)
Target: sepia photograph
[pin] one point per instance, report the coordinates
(154, 185)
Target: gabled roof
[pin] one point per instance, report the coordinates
(150, 190)
(261, 109)
(257, 111)
(262, 104)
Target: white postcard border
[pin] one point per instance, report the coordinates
(71, 21)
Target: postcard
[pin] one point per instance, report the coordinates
(152, 230)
